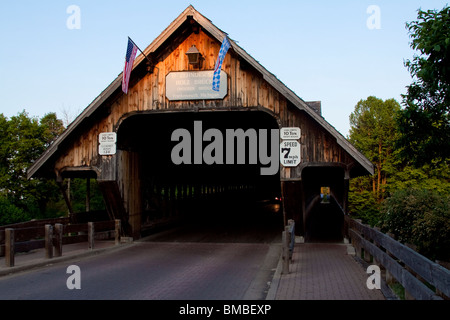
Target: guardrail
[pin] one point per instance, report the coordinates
(422, 278)
(52, 237)
(288, 243)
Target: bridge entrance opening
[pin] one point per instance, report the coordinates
(324, 216)
(187, 176)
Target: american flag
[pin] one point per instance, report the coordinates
(222, 53)
(129, 60)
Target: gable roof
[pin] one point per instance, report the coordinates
(206, 24)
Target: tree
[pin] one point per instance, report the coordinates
(23, 140)
(373, 131)
(424, 124)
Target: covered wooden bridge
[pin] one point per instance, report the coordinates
(126, 141)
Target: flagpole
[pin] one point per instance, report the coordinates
(140, 50)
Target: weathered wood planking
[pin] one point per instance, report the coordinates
(130, 186)
(246, 89)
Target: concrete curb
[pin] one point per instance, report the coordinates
(271, 294)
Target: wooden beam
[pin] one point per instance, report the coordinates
(88, 194)
(66, 197)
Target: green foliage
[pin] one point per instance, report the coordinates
(362, 201)
(411, 202)
(420, 217)
(373, 127)
(23, 139)
(9, 213)
(373, 131)
(78, 195)
(434, 177)
(424, 124)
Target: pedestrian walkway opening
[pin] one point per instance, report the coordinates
(324, 216)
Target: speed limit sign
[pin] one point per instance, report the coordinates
(290, 153)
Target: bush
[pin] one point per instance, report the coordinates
(9, 213)
(421, 218)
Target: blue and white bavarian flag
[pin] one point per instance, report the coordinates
(222, 53)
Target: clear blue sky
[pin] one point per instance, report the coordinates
(322, 50)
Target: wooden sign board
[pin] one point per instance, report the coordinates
(195, 85)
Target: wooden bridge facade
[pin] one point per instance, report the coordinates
(137, 173)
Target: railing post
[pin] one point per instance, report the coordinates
(285, 250)
(367, 255)
(291, 228)
(117, 232)
(358, 248)
(58, 239)
(9, 247)
(389, 278)
(48, 241)
(409, 296)
(375, 261)
(91, 235)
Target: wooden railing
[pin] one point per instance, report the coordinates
(422, 278)
(52, 237)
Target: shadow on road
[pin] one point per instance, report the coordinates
(252, 222)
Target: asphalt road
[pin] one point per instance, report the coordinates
(220, 262)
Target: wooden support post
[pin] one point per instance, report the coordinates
(117, 232)
(9, 247)
(91, 235)
(48, 241)
(66, 198)
(58, 239)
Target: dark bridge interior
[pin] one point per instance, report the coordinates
(233, 199)
(324, 216)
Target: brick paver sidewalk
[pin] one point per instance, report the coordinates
(324, 271)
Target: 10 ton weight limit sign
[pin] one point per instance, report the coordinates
(290, 148)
